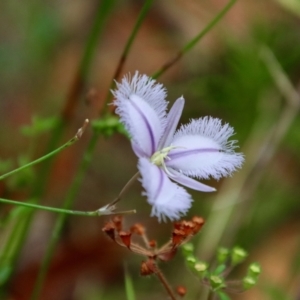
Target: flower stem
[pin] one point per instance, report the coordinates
(19, 231)
(66, 145)
(20, 228)
(129, 288)
(99, 212)
(164, 282)
(195, 40)
(62, 218)
(126, 187)
(126, 50)
(211, 295)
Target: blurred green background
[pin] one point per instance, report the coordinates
(237, 73)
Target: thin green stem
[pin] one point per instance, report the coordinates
(195, 40)
(92, 42)
(20, 230)
(211, 295)
(126, 50)
(164, 282)
(126, 187)
(48, 208)
(67, 204)
(54, 152)
(62, 218)
(129, 288)
(106, 210)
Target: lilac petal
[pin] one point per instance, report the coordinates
(142, 123)
(142, 107)
(190, 182)
(172, 122)
(137, 150)
(204, 150)
(168, 200)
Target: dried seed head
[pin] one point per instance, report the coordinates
(147, 267)
(181, 290)
(118, 220)
(138, 229)
(178, 236)
(167, 255)
(109, 228)
(198, 222)
(126, 238)
(188, 228)
(152, 244)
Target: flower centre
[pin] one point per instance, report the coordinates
(158, 158)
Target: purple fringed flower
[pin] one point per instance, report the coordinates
(199, 149)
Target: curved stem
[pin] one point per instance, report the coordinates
(106, 210)
(127, 48)
(164, 282)
(211, 295)
(195, 40)
(54, 152)
(62, 218)
(126, 187)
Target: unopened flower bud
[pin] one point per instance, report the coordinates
(191, 261)
(254, 270)
(249, 282)
(216, 282)
(222, 255)
(238, 255)
(188, 249)
(201, 268)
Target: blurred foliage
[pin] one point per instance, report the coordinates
(35, 36)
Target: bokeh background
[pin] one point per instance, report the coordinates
(244, 71)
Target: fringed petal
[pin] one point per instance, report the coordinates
(203, 149)
(142, 107)
(168, 200)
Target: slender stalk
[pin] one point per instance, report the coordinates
(62, 218)
(129, 288)
(20, 230)
(16, 239)
(164, 282)
(54, 152)
(195, 40)
(126, 50)
(126, 187)
(211, 295)
(99, 212)
(104, 8)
